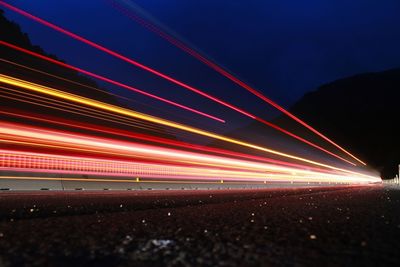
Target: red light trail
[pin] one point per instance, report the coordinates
(144, 137)
(81, 111)
(39, 136)
(173, 40)
(130, 113)
(137, 64)
(46, 137)
(102, 78)
(67, 80)
(67, 106)
(125, 86)
(34, 145)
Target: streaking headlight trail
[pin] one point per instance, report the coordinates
(193, 89)
(130, 113)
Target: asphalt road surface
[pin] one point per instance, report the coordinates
(291, 227)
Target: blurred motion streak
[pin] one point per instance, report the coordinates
(102, 78)
(184, 85)
(175, 41)
(10, 132)
(130, 113)
(238, 170)
(144, 137)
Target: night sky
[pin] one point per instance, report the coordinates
(283, 48)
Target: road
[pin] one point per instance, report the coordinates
(335, 226)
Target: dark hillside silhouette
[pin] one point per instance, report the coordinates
(362, 113)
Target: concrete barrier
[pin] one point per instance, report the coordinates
(58, 182)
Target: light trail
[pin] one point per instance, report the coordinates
(77, 83)
(97, 117)
(67, 80)
(182, 84)
(179, 44)
(175, 162)
(50, 137)
(105, 79)
(256, 118)
(97, 104)
(64, 139)
(40, 162)
(69, 107)
(154, 139)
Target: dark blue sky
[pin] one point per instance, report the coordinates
(284, 47)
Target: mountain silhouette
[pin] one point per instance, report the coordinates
(361, 113)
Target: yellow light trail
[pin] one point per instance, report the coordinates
(67, 80)
(68, 107)
(87, 114)
(130, 113)
(79, 84)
